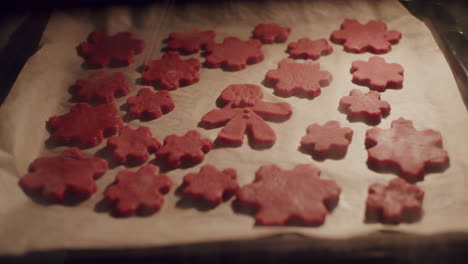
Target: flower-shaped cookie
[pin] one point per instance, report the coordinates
(285, 195)
(190, 41)
(101, 50)
(405, 149)
(150, 104)
(293, 77)
(377, 74)
(68, 174)
(329, 140)
(188, 149)
(358, 38)
(394, 202)
(138, 192)
(270, 33)
(171, 71)
(365, 106)
(85, 125)
(306, 48)
(102, 86)
(133, 145)
(234, 54)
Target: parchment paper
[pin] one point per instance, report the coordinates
(429, 97)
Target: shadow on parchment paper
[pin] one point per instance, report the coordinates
(106, 154)
(372, 216)
(334, 155)
(71, 199)
(186, 202)
(393, 168)
(103, 206)
(250, 210)
(186, 163)
(128, 117)
(298, 94)
(360, 118)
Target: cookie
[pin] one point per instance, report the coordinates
(148, 104)
(133, 145)
(138, 191)
(187, 150)
(245, 112)
(365, 106)
(234, 54)
(102, 87)
(377, 74)
(393, 203)
(408, 151)
(270, 33)
(211, 184)
(70, 174)
(329, 140)
(358, 38)
(85, 125)
(282, 196)
(190, 41)
(294, 78)
(101, 50)
(171, 72)
(305, 48)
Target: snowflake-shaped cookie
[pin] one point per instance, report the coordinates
(102, 87)
(68, 174)
(329, 140)
(138, 192)
(211, 184)
(188, 149)
(377, 74)
(133, 145)
(293, 77)
(171, 71)
(366, 106)
(85, 125)
(101, 50)
(234, 54)
(245, 112)
(190, 41)
(404, 148)
(270, 33)
(358, 38)
(285, 195)
(149, 104)
(306, 48)
(394, 202)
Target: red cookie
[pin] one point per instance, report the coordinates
(285, 195)
(293, 77)
(150, 105)
(102, 86)
(358, 38)
(404, 148)
(211, 184)
(394, 202)
(101, 50)
(306, 48)
(269, 33)
(190, 41)
(246, 112)
(377, 74)
(171, 72)
(329, 140)
(85, 125)
(189, 149)
(234, 54)
(68, 174)
(133, 145)
(366, 106)
(138, 192)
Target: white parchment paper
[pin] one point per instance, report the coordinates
(429, 97)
